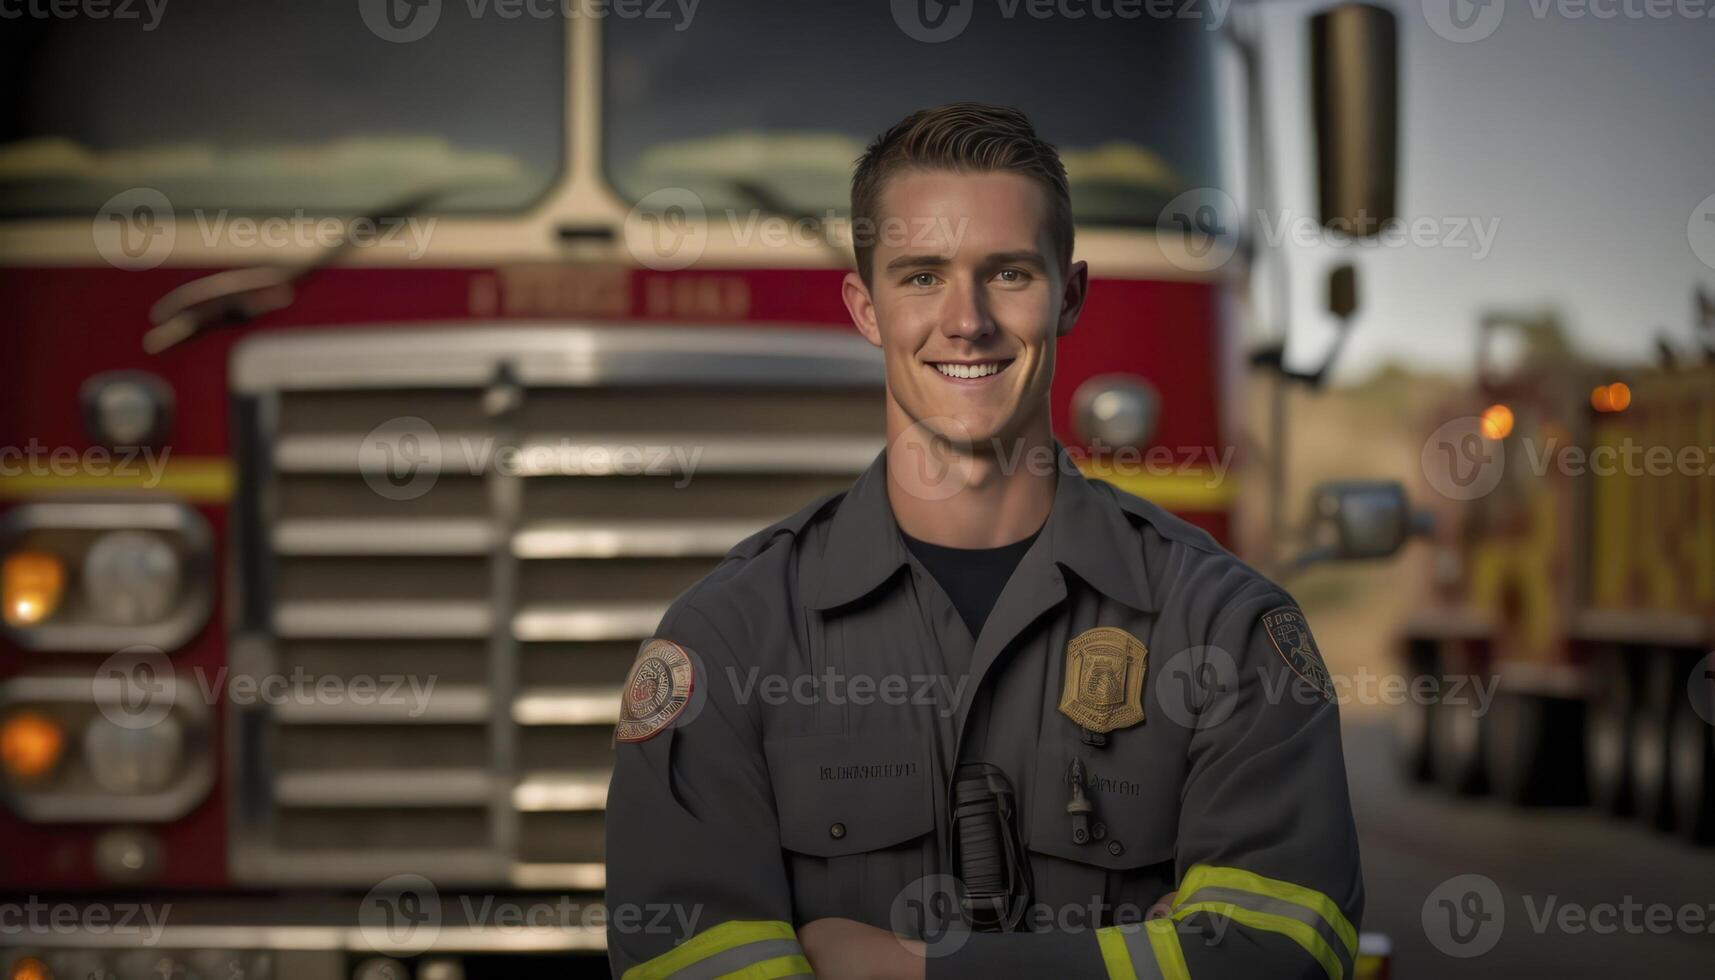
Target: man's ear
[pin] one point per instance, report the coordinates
(1072, 300)
(861, 307)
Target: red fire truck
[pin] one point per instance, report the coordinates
(1577, 575)
(357, 353)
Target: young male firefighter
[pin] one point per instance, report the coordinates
(978, 716)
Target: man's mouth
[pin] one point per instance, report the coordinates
(970, 370)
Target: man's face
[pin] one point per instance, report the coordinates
(966, 299)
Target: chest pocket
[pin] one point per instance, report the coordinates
(855, 812)
(1134, 793)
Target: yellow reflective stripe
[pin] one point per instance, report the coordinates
(1164, 939)
(1114, 956)
(1195, 489)
(202, 479)
(1292, 929)
(1209, 875)
(782, 966)
(719, 939)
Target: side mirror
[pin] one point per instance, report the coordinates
(1355, 86)
(1355, 520)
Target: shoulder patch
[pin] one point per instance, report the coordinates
(656, 691)
(1290, 634)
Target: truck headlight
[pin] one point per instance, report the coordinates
(131, 577)
(1115, 411)
(133, 760)
(95, 576)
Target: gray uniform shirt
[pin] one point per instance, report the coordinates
(803, 772)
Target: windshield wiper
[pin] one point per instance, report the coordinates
(241, 295)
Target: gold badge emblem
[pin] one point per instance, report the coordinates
(1103, 689)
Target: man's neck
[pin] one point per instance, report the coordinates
(992, 495)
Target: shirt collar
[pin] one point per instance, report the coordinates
(1086, 532)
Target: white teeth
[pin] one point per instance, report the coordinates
(969, 370)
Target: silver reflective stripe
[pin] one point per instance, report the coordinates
(728, 960)
(1143, 964)
(1275, 906)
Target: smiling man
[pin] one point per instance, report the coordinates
(1089, 741)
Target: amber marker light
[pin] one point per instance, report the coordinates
(1616, 397)
(1497, 422)
(29, 968)
(32, 583)
(30, 746)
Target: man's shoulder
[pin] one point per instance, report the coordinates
(1185, 563)
(754, 585)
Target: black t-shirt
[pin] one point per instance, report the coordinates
(972, 577)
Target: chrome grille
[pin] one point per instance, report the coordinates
(519, 584)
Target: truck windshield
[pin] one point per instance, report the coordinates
(262, 106)
(785, 96)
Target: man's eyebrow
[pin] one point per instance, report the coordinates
(918, 262)
(1027, 256)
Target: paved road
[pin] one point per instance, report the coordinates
(1558, 877)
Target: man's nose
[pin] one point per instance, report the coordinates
(968, 316)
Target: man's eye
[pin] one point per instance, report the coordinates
(1013, 275)
(922, 279)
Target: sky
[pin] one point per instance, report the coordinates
(1587, 145)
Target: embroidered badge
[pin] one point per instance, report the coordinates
(1103, 688)
(656, 691)
(1290, 635)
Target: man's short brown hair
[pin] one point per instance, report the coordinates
(967, 137)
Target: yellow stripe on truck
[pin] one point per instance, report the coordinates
(1190, 489)
(200, 479)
